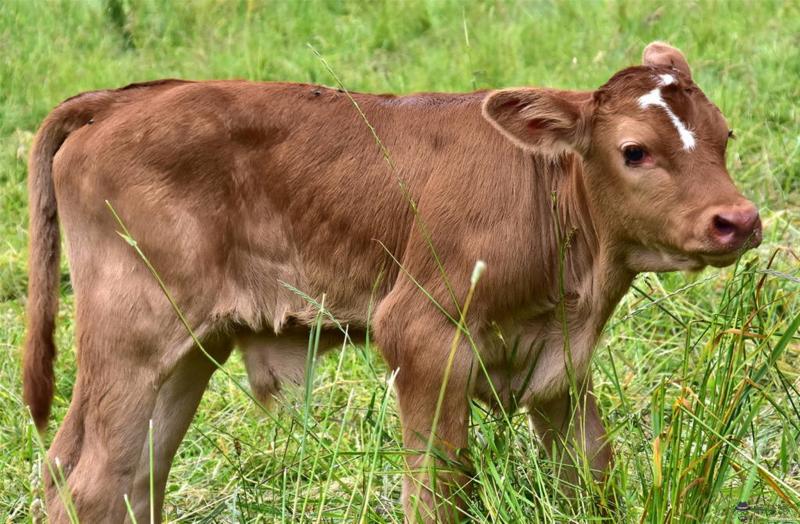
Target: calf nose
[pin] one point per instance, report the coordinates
(734, 226)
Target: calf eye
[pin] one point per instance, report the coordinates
(731, 135)
(634, 155)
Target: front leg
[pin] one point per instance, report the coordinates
(435, 484)
(573, 434)
(435, 481)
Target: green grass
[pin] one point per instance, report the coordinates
(697, 376)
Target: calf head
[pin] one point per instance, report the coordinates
(653, 149)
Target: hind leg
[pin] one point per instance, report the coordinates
(175, 407)
(96, 450)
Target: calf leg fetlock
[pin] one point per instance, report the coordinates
(435, 490)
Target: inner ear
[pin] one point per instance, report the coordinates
(663, 54)
(541, 120)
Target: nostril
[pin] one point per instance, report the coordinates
(723, 226)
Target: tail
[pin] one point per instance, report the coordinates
(44, 255)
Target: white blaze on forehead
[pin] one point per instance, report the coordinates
(654, 98)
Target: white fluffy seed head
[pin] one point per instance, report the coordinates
(477, 271)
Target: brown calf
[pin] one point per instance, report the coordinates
(233, 188)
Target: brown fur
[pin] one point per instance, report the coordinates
(233, 189)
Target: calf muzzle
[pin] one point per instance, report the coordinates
(736, 227)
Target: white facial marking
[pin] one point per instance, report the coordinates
(654, 98)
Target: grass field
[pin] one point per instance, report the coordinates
(697, 375)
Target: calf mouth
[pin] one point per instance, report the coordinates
(720, 260)
(726, 257)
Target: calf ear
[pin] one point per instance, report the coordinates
(663, 54)
(540, 120)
